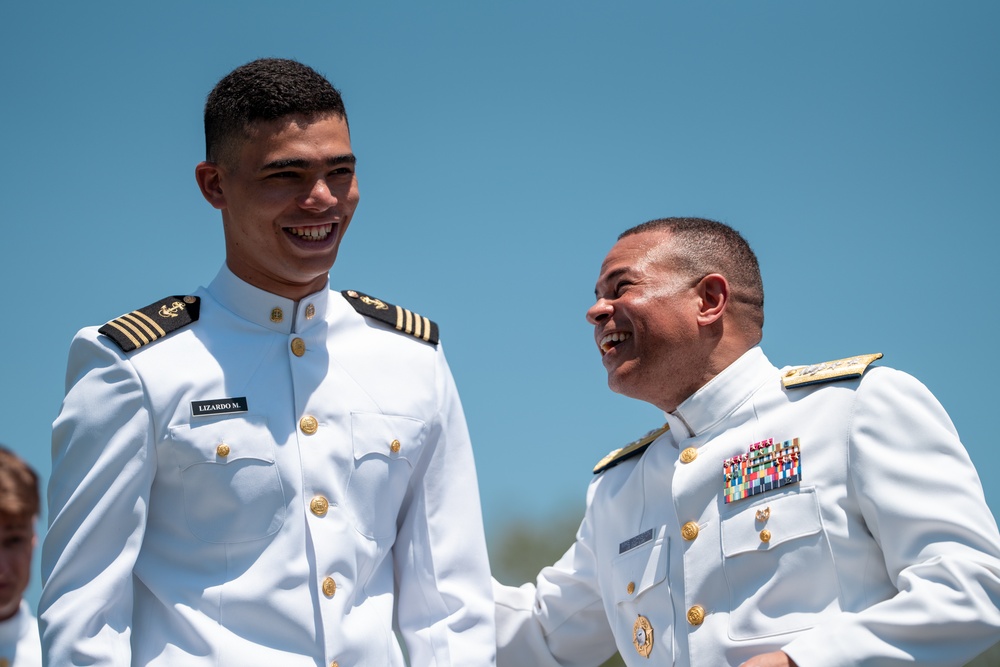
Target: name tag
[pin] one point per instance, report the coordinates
(636, 541)
(218, 406)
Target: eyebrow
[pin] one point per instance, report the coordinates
(610, 278)
(299, 163)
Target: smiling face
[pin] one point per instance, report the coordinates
(17, 540)
(648, 322)
(287, 198)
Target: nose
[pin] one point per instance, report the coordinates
(320, 197)
(600, 311)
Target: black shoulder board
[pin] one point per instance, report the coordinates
(133, 330)
(402, 319)
(630, 450)
(828, 371)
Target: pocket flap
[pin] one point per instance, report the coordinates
(638, 570)
(388, 436)
(222, 441)
(783, 517)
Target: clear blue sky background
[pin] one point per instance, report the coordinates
(502, 147)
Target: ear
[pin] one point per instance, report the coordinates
(713, 293)
(209, 177)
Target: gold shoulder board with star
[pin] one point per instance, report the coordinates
(632, 449)
(828, 371)
(399, 318)
(140, 327)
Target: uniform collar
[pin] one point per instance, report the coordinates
(265, 309)
(722, 395)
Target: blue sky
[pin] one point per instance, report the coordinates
(502, 147)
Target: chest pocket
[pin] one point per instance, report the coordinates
(639, 587)
(232, 490)
(778, 565)
(386, 449)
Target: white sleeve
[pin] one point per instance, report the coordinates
(923, 503)
(445, 604)
(103, 464)
(560, 621)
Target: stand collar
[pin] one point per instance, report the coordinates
(265, 309)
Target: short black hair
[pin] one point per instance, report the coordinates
(264, 90)
(707, 246)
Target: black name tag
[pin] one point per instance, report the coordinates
(218, 406)
(633, 542)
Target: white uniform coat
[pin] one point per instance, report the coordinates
(284, 547)
(885, 553)
(19, 645)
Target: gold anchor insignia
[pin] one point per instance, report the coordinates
(642, 636)
(374, 302)
(175, 308)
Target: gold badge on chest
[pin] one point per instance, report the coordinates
(642, 636)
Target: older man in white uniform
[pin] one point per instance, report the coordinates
(820, 516)
(266, 472)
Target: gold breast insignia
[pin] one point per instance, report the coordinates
(642, 636)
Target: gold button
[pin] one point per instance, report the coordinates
(298, 347)
(334, 664)
(765, 535)
(310, 311)
(222, 450)
(308, 424)
(187, 299)
(329, 587)
(689, 531)
(319, 505)
(689, 454)
(394, 446)
(277, 315)
(631, 587)
(696, 615)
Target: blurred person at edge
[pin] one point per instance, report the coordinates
(266, 471)
(819, 516)
(19, 504)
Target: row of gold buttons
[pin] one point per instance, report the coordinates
(689, 531)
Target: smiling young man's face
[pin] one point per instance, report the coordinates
(287, 197)
(645, 322)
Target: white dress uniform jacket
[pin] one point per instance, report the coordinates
(885, 552)
(19, 645)
(342, 501)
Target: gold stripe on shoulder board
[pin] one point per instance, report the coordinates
(397, 317)
(828, 371)
(617, 456)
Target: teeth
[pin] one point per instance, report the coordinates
(617, 337)
(315, 233)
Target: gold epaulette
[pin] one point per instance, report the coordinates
(828, 371)
(632, 449)
(140, 327)
(400, 318)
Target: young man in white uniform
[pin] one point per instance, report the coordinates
(266, 471)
